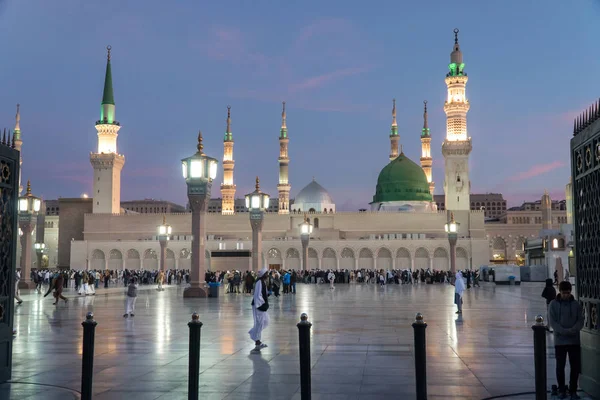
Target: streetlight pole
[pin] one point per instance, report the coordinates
(257, 202)
(29, 206)
(306, 229)
(199, 171)
(164, 235)
(451, 228)
(40, 248)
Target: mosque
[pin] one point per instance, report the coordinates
(402, 230)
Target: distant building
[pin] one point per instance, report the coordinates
(239, 205)
(151, 206)
(493, 204)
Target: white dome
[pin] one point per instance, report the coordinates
(313, 193)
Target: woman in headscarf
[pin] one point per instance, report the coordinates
(459, 288)
(260, 305)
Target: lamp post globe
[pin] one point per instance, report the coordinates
(306, 229)
(164, 235)
(256, 203)
(199, 171)
(29, 206)
(451, 228)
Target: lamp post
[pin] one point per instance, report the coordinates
(199, 171)
(29, 206)
(451, 228)
(306, 229)
(257, 202)
(40, 248)
(164, 234)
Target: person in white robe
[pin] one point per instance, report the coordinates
(459, 288)
(260, 305)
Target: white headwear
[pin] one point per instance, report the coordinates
(262, 272)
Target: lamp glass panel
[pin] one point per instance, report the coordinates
(22, 204)
(304, 228)
(247, 201)
(446, 228)
(184, 169)
(266, 201)
(213, 169)
(162, 230)
(452, 227)
(169, 229)
(310, 228)
(255, 201)
(196, 169)
(37, 203)
(555, 243)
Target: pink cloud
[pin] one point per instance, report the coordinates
(536, 170)
(320, 80)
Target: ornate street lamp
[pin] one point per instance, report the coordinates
(199, 171)
(29, 206)
(451, 228)
(257, 202)
(40, 248)
(164, 235)
(306, 229)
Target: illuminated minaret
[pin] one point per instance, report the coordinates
(394, 137)
(227, 187)
(18, 142)
(106, 161)
(457, 145)
(284, 184)
(426, 160)
(546, 206)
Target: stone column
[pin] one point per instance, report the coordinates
(198, 203)
(452, 238)
(163, 253)
(256, 222)
(27, 224)
(304, 239)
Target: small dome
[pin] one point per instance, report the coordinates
(402, 180)
(313, 193)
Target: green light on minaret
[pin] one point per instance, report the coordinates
(107, 108)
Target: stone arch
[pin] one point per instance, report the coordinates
(365, 258)
(316, 222)
(441, 261)
(329, 260)
(185, 260)
(422, 258)
(150, 261)
(274, 258)
(98, 261)
(498, 248)
(519, 246)
(403, 259)
(292, 257)
(313, 259)
(115, 260)
(384, 259)
(462, 259)
(170, 259)
(348, 260)
(133, 261)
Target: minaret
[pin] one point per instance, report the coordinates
(546, 207)
(569, 200)
(457, 145)
(106, 161)
(394, 137)
(284, 184)
(426, 160)
(18, 142)
(227, 187)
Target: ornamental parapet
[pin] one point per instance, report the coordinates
(457, 147)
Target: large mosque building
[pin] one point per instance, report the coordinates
(402, 230)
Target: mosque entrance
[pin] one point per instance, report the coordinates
(9, 192)
(276, 267)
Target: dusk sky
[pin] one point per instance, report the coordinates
(532, 66)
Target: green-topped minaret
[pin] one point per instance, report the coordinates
(18, 142)
(394, 137)
(228, 187)
(283, 187)
(107, 109)
(426, 160)
(106, 161)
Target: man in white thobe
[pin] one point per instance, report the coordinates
(260, 305)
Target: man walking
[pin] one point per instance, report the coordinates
(566, 319)
(17, 280)
(260, 305)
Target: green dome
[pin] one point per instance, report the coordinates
(402, 180)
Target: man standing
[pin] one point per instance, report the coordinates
(566, 318)
(260, 305)
(17, 279)
(459, 288)
(331, 279)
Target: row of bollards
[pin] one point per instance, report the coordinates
(304, 327)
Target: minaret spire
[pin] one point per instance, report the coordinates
(283, 187)
(18, 142)
(426, 160)
(107, 112)
(394, 137)
(228, 187)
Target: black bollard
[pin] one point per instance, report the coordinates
(194, 363)
(87, 358)
(420, 356)
(539, 357)
(304, 341)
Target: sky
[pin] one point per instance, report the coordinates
(532, 67)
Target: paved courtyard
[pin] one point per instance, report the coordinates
(361, 344)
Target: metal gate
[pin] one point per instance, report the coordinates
(585, 173)
(9, 184)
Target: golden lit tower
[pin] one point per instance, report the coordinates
(457, 145)
(426, 160)
(284, 184)
(107, 163)
(394, 137)
(18, 142)
(227, 187)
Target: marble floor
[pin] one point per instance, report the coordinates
(361, 344)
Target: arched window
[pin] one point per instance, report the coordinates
(312, 211)
(555, 243)
(316, 222)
